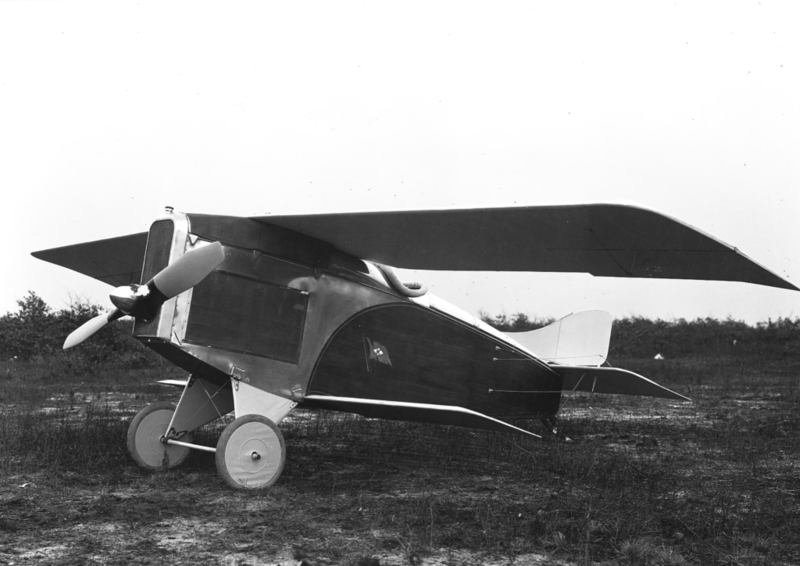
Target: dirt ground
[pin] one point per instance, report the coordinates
(625, 482)
(333, 504)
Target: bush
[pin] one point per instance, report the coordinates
(36, 333)
(519, 322)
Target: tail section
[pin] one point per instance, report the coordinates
(578, 339)
(576, 346)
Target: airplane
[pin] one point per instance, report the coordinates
(270, 313)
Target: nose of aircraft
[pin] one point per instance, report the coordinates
(143, 301)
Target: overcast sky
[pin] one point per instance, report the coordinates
(111, 111)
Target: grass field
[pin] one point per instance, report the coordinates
(627, 481)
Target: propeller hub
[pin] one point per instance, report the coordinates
(139, 301)
(126, 297)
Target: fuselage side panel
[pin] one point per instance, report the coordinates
(410, 354)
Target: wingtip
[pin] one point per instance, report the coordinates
(772, 279)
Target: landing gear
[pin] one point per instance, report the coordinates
(251, 453)
(147, 435)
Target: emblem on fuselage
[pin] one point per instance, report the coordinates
(377, 352)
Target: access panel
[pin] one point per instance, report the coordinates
(247, 315)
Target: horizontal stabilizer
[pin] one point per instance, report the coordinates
(419, 412)
(607, 240)
(116, 261)
(578, 339)
(174, 382)
(613, 381)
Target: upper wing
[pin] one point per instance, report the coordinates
(601, 239)
(116, 261)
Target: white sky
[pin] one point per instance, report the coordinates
(110, 111)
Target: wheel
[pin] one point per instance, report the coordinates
(144, 438)
(251, 453)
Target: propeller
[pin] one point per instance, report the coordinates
(143, 301)
(88, 328)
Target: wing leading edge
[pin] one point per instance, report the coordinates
(602, 239)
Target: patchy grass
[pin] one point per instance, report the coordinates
(640, 482)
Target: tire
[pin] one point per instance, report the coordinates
(251, 453)
(144, 438)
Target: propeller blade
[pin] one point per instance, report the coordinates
(90, 327)
(189, 270)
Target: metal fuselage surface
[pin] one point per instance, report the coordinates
(293, 316)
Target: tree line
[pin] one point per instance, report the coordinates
(36, 332)
(639, 337)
